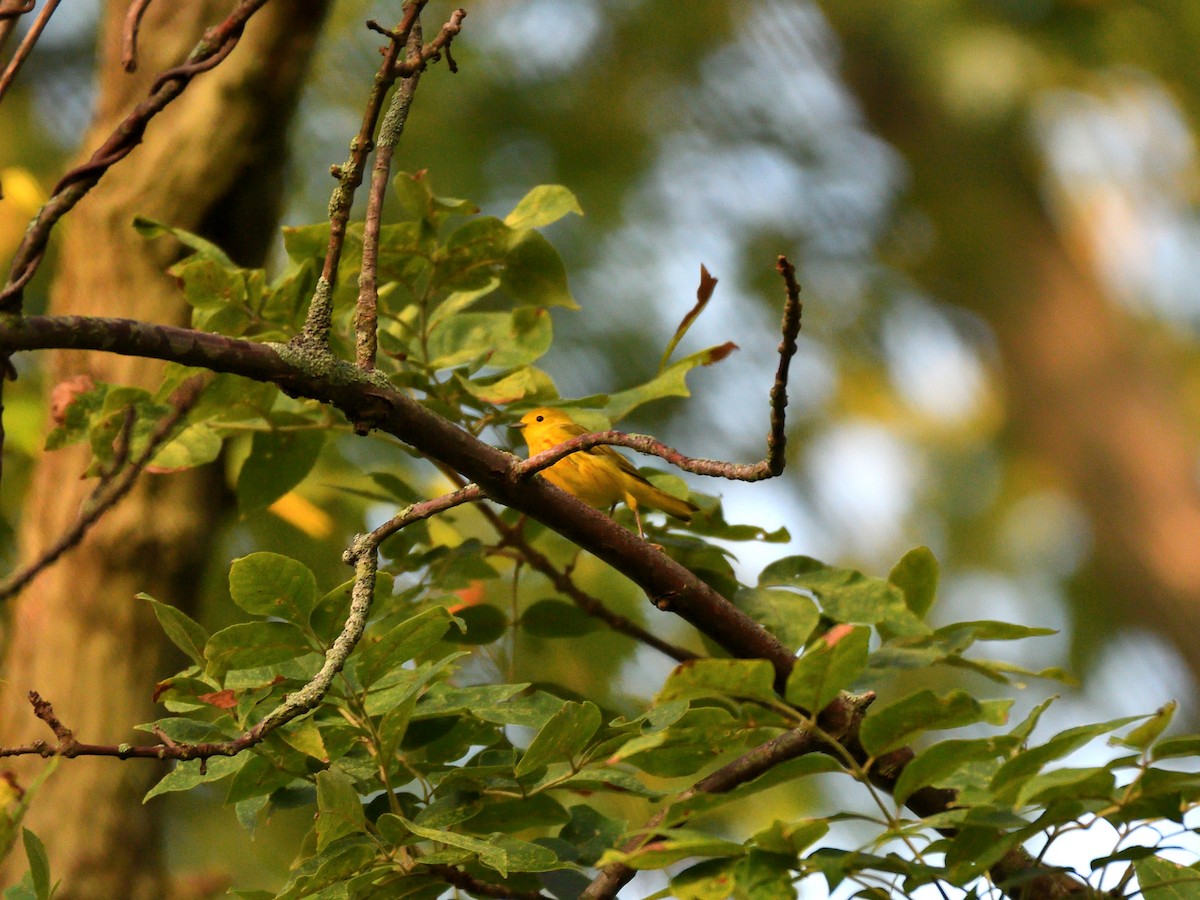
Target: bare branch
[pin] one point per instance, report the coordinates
(366, 321)
(349, 176)
(216, 44)
(26, 45)
(133, 22)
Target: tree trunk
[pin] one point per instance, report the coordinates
(211, 163)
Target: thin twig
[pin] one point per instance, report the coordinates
(792, 311)
(349, 176)
(366, 319)
(114, 484)
(769, 467)
(9, 16)
(133, 22)
(26, 45)
(463, 881)
(213, 47)
(513, 537)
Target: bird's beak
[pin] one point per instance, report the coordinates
(519, 426)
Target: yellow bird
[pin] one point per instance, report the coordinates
(600, 477)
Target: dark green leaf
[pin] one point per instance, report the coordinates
(186, 775)
(534, 275)
(846, 595)
(1161, 879)
(39, 864)
(557, 618)
(502, 340)
(278, 461)
(481, 624)
(934, 764)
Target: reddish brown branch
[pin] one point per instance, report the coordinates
(133, 22)
(769, 467)
(514, 537)
(26, 45)
(214, 46)
(461, 880)
(745, 768)
(114, 484)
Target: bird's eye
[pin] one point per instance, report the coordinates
(541, 418)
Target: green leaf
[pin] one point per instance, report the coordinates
(194, 446)
(339, 808)
(935, 764)
(1161, 879)
(791, 617)
(916, 574)
(557, 619)
(278, 461)
(542, 206)
(1147, 733)
(562, 737)
(846, 595)
(378, 655)
(1016, 771)
(897, 724)
(183, 631)
(527, 383)
(489, 854)
(742, 679)
(680, 844)
(534, 274)
(791, 839)
(671, 382)
(1185, 745)
(503, 340)
(151, 228)
(480, 624)
(1067, 784)
(269, 584)
(709, 880)
(186, 775)
(987, 630)
(249, 644)
(39, 864)
(767, 876)
(825, 670)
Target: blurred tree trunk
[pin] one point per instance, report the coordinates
(211, 163)
(1086, 399)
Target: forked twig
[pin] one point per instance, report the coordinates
(114, 483)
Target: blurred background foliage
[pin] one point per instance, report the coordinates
(992, 206)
